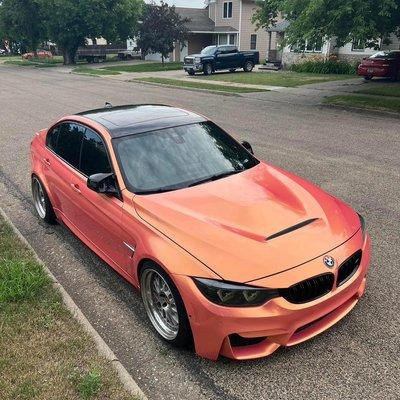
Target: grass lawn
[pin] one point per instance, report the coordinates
(199, 85)
(94, 71)
(366, 101)
(44, 352)
(390, 90)
(146, 67)
(280, 78)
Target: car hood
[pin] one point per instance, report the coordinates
(225, 224)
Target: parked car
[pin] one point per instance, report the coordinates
(215, 58)
(384, 64)
(3, 52)
(42, 54)
(229, 252)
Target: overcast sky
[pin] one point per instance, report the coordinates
(186, 3)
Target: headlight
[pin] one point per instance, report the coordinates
(197, 60)
(362, 222)
(234, 295)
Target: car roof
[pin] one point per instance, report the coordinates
(133, 119)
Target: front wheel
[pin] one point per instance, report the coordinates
(208, 69)
(164, 305)
(191, 73)
(248, 66)
(232, 70)
(41, 202)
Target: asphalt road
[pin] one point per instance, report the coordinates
(354, 155)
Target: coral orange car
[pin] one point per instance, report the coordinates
(42, 54)
(231, 253)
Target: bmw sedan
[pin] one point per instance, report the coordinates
(230, 253)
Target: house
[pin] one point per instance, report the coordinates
(287, 55)
(221, 22)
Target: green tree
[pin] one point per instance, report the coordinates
(22, 21)
(70, 22)
(161, 27)
(366, 20)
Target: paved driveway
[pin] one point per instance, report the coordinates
(353, 155)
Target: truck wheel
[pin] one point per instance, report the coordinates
(232, 70)
(208, 69)
(191, 73)
(248, 66)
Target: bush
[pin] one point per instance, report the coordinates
(320, 65)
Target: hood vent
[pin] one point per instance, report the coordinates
(292, 228)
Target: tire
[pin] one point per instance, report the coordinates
(232, 70)
(368, 78)
(248, 66)
(41, 201)
(191, 73)
(168, 316)
(207, 69)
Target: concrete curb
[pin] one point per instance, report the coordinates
(126, 379)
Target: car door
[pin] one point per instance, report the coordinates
(97, 216)
(60, 157)
(222, 58)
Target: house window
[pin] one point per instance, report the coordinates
(358, 45)
(253, 42)
(228, 7)
(307, 46)
(226, 39)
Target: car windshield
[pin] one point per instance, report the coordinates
(384, 54)
(207, 51)
(179, 157)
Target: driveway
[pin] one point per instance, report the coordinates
(353, 155)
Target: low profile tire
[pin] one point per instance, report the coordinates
(367, 78)
(208, 69)
(41, 201)
(164, 306)
(191, 73)
(248, 66)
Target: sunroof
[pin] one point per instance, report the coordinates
(133, 116)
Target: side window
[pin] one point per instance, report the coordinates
(69, 142)
(52, 139)
(94, 159)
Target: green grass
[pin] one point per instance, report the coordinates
(145, 67)
(199, 85)
(94, 71)
(391, 90)
(280, 78)
(44, 351)
(380, 103)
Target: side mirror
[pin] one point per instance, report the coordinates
(103, 183)
(247, 146)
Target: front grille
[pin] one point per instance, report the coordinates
(349, 268)
(308, 290)
(188, 60)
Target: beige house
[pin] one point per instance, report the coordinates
(222, 22)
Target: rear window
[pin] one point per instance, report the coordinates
(386, 54)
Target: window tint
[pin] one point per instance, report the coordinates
(94, 159)
(52, 139)
(69, 142)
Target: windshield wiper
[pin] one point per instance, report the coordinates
(215, 177)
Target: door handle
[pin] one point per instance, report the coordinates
(75, 187)
(46, 161)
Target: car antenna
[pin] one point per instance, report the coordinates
(108, 105)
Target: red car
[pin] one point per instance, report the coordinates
(231, 253)
(384, 64)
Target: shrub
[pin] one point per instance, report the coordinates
(320, 65)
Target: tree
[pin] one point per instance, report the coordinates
(22, 21)
(368, 21)
(70, 22)
(161, 27)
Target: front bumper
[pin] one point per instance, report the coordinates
(278, 322)
(193, 67)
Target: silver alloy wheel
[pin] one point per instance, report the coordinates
(160, 304)
(248, 66)
(209, 69)
(38, 197)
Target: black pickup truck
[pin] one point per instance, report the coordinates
(215, 58)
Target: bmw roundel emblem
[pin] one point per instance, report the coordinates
(329, 261)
